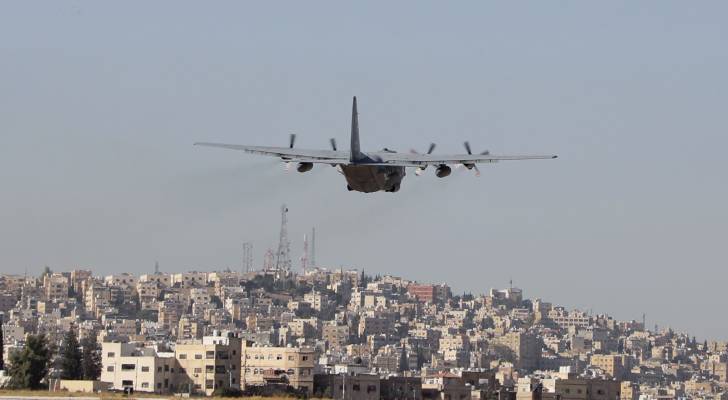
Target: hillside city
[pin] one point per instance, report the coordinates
(339, 333)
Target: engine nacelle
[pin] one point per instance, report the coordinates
(304, 167)
(443, 171)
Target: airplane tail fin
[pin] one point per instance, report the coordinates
(356, 153)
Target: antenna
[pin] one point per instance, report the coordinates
(283, 257)
(247, 256)
(304, 257)
(312, 260)
(156, 268)
(268, 260)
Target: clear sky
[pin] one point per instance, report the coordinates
(100, 103)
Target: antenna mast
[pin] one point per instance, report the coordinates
(312, 260)
(283, 257)
(247, 256)
(304, 257)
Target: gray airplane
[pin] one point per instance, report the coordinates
(374, 171)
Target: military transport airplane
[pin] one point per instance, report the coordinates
(374, 171)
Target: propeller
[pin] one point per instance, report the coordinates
(291, 142)
(419, 170)
(333, 143)
(470, 152)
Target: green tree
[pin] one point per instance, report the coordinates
(29, 366)
(71, 357)
(91, 363)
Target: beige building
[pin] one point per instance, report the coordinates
(582, 389)
(269, 364)
(164, 280)
(126, 365)
(55, 287)
(195, 367)
(170, 312)
(615, 365)
(526, 348)
(335, 336)
(125, 280)
(209, 364)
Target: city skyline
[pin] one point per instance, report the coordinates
(101, 103)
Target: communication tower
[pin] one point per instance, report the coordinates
(312, 259)
(283, 257)
(247, 256)
(304, 257)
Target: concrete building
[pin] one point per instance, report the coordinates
(293, 364)
(526, 348)
(214, 362)
(615, 365)
(55, 287)
(126, 365)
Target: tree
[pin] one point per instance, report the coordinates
(71, 357)
(28, 367)
(91, 358)
(46, 271)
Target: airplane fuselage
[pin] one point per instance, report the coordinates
(373, 178)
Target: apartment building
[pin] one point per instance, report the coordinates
(214, 362)
(261, 364)
(129, 366)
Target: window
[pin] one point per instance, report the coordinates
(290, 358)
(198, 370)
(279, 357)
(183, 356)
(198, 386)
(111, 354)
(210, 354)
(128, 367)
(145, 369)
(198, 356)
(159, 369)
(209, 384)
(166, 368)
(356, 387)
(182, 371)
(145, 385)
(209, 368)
(127, 383)
(110, 368)
(304, 358)
(371, 388)
(219, 369)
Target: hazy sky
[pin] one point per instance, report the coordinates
(100, 103)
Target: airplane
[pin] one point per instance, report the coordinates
(369, 172)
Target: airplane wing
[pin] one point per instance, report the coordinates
(287, 153)
(420, 160)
